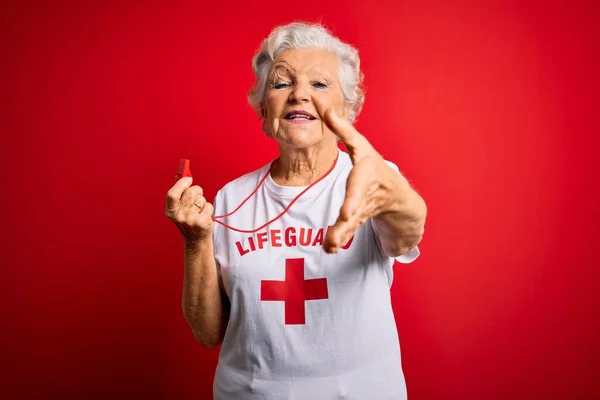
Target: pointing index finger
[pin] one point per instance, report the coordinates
(338, 125)
(341, 127)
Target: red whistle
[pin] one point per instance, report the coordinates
(184, 169)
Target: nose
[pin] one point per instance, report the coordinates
(300, 92)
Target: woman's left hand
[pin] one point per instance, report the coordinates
(372, 185)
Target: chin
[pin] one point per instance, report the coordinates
(300, 138)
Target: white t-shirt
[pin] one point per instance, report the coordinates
(304, 324)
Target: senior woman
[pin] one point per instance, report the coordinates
(292, 266)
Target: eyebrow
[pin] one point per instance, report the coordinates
(282, 66)
(323, 73)
(278, 68)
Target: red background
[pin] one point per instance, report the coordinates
(490, 109)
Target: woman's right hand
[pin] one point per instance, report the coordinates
(191, 213)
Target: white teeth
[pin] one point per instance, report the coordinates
(300, 116)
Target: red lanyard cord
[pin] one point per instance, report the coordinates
(281, 214)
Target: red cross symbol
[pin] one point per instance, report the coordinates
(294, 291)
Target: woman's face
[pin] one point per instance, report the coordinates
(297, 78)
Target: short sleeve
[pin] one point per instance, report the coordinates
(410, 256)
(218, 210)
(405, 258)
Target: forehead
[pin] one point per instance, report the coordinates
(309, 60)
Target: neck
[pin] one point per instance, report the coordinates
(301, 167)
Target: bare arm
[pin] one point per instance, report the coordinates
(204, 306)
(374, 190)
(401, 222)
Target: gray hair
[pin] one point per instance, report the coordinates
(299, 35)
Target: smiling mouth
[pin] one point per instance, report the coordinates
(299, 115)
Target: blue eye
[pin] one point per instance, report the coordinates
(280, 85)
(320, 85)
